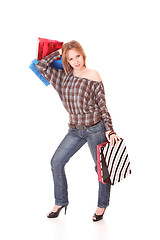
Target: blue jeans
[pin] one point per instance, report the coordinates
(71, 143)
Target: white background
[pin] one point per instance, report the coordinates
(121, 39)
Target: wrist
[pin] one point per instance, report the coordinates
(109, 133)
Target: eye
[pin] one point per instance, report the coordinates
(78, 55)
(70, 59)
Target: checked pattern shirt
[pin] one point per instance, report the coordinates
(83, 99)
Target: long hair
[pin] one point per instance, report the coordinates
(68, 46)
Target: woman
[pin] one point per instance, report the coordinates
(82, 93)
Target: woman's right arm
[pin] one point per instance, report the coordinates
(54, 76)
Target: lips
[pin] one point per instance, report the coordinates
(78, 65)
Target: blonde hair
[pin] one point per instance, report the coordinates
(68, 46)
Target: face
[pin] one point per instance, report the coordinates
(75, 59)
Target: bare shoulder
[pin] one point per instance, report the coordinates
(94, 75)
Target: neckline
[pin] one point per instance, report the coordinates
(83, 78)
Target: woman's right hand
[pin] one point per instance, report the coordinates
(60, 51)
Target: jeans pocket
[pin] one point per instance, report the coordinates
(95, 128)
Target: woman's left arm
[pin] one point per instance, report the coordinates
(101, 101)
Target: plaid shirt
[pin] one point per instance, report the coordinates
(83, 99)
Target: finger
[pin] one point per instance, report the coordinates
(107, 137)
(112, 141)
(118, 138)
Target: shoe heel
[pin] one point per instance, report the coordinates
(65, 210)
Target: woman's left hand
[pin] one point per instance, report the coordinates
(113, 139)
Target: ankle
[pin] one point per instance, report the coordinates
(99, 211)
(56, 207)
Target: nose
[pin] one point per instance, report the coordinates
(76, 61)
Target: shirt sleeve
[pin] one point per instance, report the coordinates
(101, 102)
(54, 76)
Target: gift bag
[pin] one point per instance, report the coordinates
(55, 64)
(113, 163)
(47, 46)
(32, 66)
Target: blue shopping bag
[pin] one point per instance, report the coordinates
(55, 64)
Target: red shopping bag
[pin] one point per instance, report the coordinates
(47, 46)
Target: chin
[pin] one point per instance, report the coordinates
(78, 68)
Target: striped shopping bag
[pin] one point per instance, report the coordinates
(113, 163)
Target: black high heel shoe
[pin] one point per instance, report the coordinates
(56, 214)
(98, 217)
